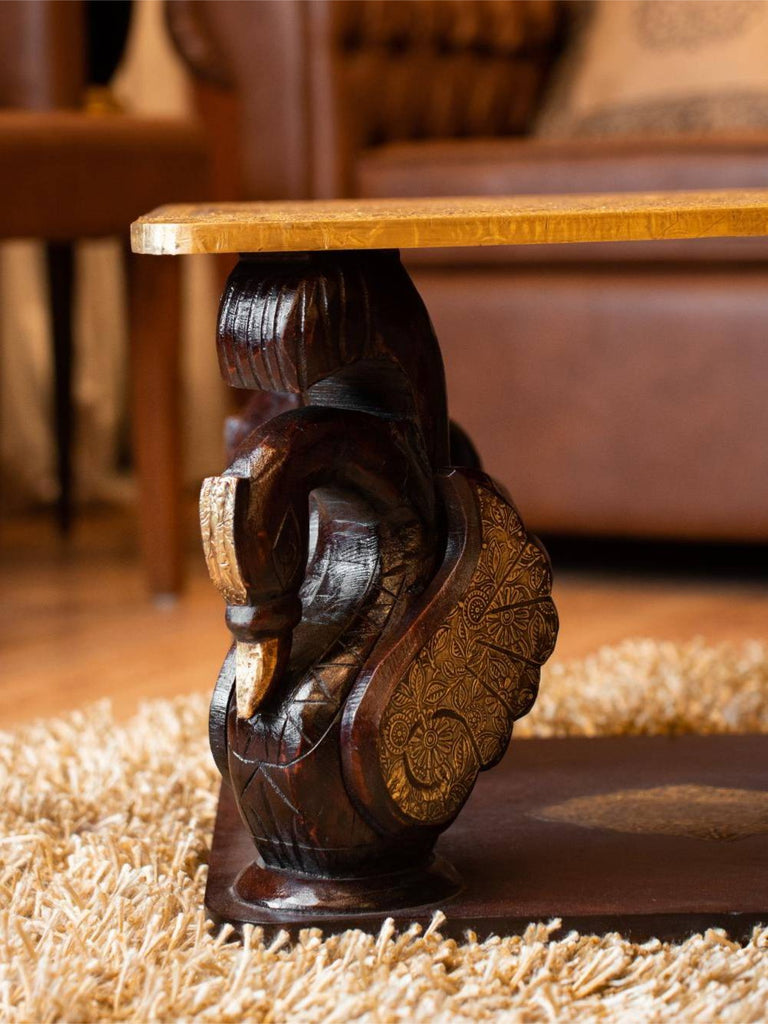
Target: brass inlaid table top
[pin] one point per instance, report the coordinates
(460, 221)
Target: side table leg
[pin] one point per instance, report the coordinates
(389, 613)
(61, 277)
(155, 302)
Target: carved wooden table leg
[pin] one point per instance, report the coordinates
(389, 613)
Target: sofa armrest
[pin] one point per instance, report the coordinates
(318, 81)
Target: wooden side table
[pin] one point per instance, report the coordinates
(389, 612)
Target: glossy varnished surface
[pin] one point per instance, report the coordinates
(459, 221)
(409, 633)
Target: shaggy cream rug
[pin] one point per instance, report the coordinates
(104, 834)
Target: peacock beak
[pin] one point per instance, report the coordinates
(257, 664)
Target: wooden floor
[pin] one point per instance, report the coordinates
(76, 624)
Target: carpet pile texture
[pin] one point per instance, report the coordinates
(104, 834)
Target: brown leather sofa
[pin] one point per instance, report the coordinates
(616, 389)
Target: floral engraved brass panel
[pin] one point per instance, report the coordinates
(451, 715)
(698, 812)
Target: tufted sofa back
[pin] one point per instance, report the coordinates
(441, 69)
(319, 80)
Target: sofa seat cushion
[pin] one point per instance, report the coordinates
(518, 166)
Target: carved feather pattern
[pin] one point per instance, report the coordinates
(451, 715)
(217, 526)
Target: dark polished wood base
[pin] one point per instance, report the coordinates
(672, 838)
(278, 890)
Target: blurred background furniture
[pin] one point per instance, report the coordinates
(652, 358)
(73, 169)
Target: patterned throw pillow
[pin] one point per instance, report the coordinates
(662, 67)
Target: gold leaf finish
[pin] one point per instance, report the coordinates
(255, 667)
(218, 496)
(451, 715)
(463, 220)
(698, 812)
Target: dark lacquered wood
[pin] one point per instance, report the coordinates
(356, 541)
(350, 408)
(517, 868)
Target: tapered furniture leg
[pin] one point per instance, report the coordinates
(155, 415)
(60, 261)
(389, 613)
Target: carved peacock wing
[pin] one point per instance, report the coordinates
(448, 708)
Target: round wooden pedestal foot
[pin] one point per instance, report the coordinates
(283, 891)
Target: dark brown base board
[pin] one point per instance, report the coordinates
(690, 855)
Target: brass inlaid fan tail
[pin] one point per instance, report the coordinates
(451, 714)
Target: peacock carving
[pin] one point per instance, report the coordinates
(388, 610)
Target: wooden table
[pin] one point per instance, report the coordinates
(390, 613)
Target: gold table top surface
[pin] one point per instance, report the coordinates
(317, 225)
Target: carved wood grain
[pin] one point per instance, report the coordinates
(385, 585)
